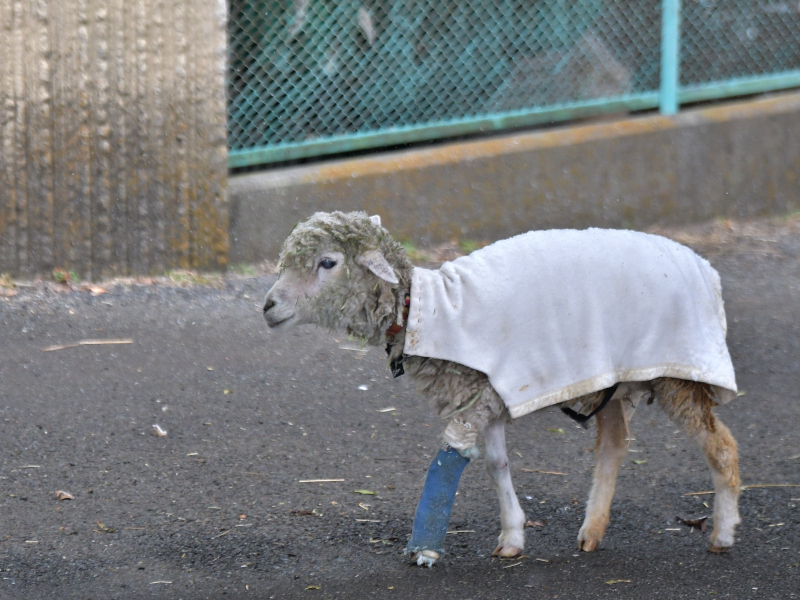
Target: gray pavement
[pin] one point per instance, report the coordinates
(215, 509)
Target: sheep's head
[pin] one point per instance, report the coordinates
(339, 270)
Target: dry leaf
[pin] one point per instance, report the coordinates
(639, 462)
(313, 587)
(699, 522)
(556, 430)
(365, 492)
(62, 495)
(534, 524)
(96, 290)
(104, 529)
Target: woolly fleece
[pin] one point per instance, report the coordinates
(363, 304)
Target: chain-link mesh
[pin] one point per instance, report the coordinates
(731, 39)
(307, 71)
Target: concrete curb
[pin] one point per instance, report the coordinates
(739, 159)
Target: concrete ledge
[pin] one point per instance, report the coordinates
(740, 159)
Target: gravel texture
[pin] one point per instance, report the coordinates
(214, 509)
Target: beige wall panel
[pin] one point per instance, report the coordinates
(38, 90)
(71, 137)
(21, 103)
(112, 136)
(8, 254)
(208, 205)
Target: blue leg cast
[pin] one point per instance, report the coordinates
(433, 510)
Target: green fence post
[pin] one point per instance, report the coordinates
(670, 50)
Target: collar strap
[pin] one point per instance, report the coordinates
(396, 327)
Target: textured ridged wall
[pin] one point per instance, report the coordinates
(112, 136)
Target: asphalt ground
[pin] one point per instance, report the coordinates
(215, 509)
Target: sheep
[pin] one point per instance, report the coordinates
(344, 271)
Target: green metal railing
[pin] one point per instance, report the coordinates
(317, 77)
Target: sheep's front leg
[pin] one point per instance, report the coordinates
(512, 518)
(610, 450)
(435, 506)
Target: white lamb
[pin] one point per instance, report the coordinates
(595, 321)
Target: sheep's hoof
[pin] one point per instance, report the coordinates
(590, 536)
(427, 558)
(506, 551)
(588, 545)
(718, 549)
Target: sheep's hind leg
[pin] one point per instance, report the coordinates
(512, 518)
(610, 450)
(689, 404)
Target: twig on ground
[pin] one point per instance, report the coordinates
(87, 343)
(462, 531)
(542, 472)
(318, 480)
(770, 485)
(747, 487)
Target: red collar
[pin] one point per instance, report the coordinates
(396, 327)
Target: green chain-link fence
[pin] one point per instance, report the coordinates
(314, 77)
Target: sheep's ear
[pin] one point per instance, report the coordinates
(376, 220)
(376, 262)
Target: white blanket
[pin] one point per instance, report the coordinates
(552, 315)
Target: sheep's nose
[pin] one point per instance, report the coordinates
(268, 303)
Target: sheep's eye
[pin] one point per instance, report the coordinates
(327, 263)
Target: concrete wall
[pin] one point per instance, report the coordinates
(740, 159)
(112, 135)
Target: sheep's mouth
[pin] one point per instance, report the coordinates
(278, 324)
